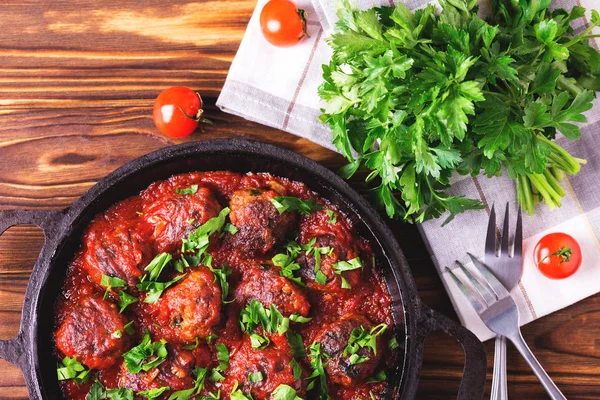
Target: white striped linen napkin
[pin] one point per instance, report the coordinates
(278, 87)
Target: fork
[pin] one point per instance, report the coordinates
(499, 313)
(509, 271)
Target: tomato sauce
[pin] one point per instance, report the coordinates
(191, 316)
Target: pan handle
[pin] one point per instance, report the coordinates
(472, 384)
(13, 350)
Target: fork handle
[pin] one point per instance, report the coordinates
(499, 388)
(538, 370)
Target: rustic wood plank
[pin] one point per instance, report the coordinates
(77, 83)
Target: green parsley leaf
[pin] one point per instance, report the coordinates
(296, 344)
(154, 393)
(287, 262)
(378, 377)
(255, 377)
(285, 203)
(318, 379)
(362, 338)
(155, 289)
(230, 228)
(146, 355)
(110, 282)
(332, 216)
(284, 392)
(393, 343)
(125, 299)
(70, 368)
(119, 394)
(221, 276)
(96, 391)
(190, 190)
(128, 328)
(223, 356)
(237, 394)
(191, 346)
(296, 368)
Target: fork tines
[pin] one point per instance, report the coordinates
(481, 292)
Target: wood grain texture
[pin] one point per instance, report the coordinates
(77, 83)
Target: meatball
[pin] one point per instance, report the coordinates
(273, 362)
(88, 333)
(191, 308)
(117, 247)
(173, 216)
(334, 339)
(268, 287)
(260, 225)
(340, 251)
(175, 371)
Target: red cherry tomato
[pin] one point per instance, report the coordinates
(557, 255)
(282, 23)
(177, 111)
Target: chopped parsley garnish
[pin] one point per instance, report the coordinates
(191, 346)
(284, 392)
(361, 338)
(190, 190)
(221, 276)
(309, 248)
(223, 356)
(156, 266)
(393, 343)
(285, 203)
(96, 391)
(237, 394)
(255, 377)
(317, 380)
(332, 216)
(350, 265)
(119, 394)
(287, 262)
(259, 342)
(146, 355)
(154, 392)
(110, 282)
(125, 299)
(296, 343)
(211, 337)
(296, 368)
(155, 289)
(186, 394)
(198, 240)
(230, 228)
(378, 377)
(271, 320)
(128, 328)
(70, 368)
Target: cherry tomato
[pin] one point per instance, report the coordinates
(177, 111)
(282, 23)
(557, 255)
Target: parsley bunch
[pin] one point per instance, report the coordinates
(414, 97)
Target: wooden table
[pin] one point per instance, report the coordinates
(77, 83)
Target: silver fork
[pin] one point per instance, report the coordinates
(509, 271)
(498, 311)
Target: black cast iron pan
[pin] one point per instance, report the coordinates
(31, 349)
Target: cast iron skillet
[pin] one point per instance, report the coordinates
(31, 349)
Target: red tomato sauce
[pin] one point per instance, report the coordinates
(191, 317)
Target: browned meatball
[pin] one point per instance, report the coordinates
(339, 252)
(117, 247)
(175, 371)
(260, 226)
(191, 308)
(273, 362)
(88, 333)
(334, 339)
(269, 287)
(173, 216)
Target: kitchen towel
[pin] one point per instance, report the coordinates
(278, 87)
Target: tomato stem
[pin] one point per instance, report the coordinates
(564, 253)
(303, 14)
